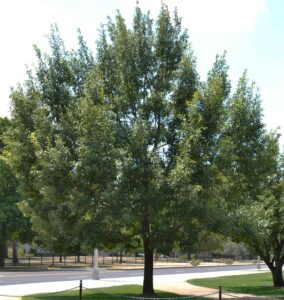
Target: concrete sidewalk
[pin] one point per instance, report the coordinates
(177, 284)
(172, 283)
(158, 265)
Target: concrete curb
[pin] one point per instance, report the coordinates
(129, 268)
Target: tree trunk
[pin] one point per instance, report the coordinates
(6, 254)
(60, 258)
(277, 277)
(15, 253)
(120, 256)
(276, 271)
(148, 288)
(2, 254)
(78, 258)
(156, 256)
(188, 254)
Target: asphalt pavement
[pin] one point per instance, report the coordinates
(25, 277)
(169, 279)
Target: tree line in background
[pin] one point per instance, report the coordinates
(129, 145)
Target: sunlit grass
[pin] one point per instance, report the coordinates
(256, 284)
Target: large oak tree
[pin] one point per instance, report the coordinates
(131, 143)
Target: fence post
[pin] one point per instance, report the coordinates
(80, 290)
(220, 292)
(29, 260)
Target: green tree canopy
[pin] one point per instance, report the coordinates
(14, 226)
(254, 179)
(130, 143)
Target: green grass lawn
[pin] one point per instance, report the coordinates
(110, 293)
(256, 284)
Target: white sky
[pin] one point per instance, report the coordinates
(250, 31)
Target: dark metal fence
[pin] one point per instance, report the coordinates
(104, 260)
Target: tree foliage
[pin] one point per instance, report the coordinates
(13, 225)
(131, 145)
(255, 179)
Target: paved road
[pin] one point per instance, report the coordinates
(10, 278)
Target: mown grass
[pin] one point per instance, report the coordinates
(255, 284)
(110, 293)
